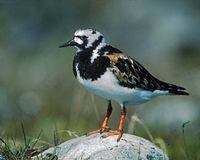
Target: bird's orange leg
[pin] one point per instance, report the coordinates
(118, 132)
(104, 127)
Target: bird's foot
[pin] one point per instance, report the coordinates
(112, 133)
(100, 130)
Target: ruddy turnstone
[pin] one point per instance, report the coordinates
(108, 72)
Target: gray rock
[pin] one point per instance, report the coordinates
(95, 147)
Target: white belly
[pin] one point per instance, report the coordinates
(107, 86)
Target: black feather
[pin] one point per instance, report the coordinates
(178, 92)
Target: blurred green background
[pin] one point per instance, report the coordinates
(38, 89)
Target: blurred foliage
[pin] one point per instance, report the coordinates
(37, 86)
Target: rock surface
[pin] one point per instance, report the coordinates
(95, 147)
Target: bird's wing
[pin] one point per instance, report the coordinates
(132, 74)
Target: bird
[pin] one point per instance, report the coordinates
(110, 73)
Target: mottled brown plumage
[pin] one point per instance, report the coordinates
(132, 74)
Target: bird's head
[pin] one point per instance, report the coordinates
(86, 39)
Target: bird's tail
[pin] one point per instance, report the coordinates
(173, 89)
(178, 92)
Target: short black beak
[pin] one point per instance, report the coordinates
(67, 44)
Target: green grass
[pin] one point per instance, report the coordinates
(13, 149)
(180, 148)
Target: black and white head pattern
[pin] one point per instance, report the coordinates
(88, 39)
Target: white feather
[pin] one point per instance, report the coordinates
(94, 56)
(88, 33)
(78, 40)
(107, 86)
(95, 52)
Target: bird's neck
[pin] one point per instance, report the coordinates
(90, 64)
(91, 53)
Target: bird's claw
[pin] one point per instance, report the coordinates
(112, 133)
(100, 130)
